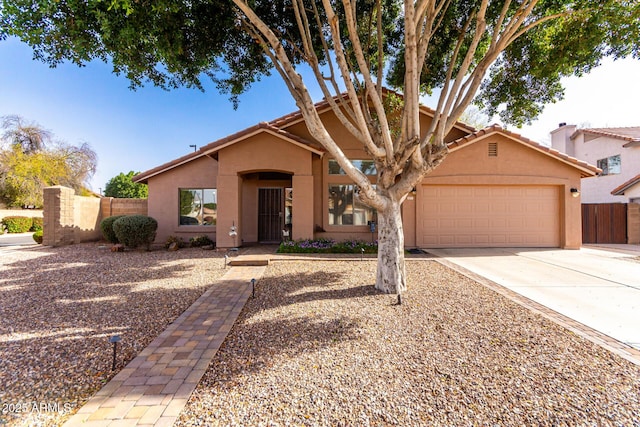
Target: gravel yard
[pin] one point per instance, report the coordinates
(320, 347)
(60, 306)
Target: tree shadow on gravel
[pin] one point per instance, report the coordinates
(277, 323)
(307, 287)
(59, 306)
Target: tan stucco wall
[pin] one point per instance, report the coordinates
(516, 164)
(164, 197)
(237, 196)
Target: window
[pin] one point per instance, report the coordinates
(610, 165)
(366, 166)
(346, 209)
(198, 206)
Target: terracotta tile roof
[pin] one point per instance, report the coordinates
(276, 127)
(585, 168)
(619, 191)
(227, 140)
(631, 134)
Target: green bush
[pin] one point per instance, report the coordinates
(37, 236)
(17, 224)
(199, 241)
(37, 224)
(328, 246)
(106, 226)
(135, 230)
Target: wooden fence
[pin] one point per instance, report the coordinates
(604, 223)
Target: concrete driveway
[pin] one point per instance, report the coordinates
(598, 288)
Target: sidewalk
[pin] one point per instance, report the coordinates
(17, 239)
(154, 387)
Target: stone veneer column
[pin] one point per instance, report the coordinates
(58, 216)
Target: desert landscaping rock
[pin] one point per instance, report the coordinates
(320, 347)
(60, 306)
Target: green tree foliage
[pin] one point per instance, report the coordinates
(27, 165)
(122, 186)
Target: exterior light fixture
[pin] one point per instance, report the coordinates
(575, 192)
(114, 339)
(253, 288)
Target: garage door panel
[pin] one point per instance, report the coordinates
(480, 216)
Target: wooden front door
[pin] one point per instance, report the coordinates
(270, 214)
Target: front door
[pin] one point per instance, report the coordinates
(270, 215)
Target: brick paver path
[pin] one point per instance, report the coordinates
(154, 387)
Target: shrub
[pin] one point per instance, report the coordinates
(37, 223)
(135, 230)
(106, 226)
(37, 236)
(17, 224)
(328, 246)
(174, 239)
(201, 241)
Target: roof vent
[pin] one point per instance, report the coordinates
(562, 124)
(493, 149)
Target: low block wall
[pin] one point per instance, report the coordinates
(72, 219)
(633, 223)
(110, 206)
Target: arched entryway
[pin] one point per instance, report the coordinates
(267, 208)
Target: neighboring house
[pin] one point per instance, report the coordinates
(616, 151)
(495, 188)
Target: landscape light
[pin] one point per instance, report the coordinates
(114, 339)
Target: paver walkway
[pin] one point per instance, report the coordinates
(154, 387)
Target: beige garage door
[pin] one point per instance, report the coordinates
(488, 216)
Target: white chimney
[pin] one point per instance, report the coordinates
(561, 138)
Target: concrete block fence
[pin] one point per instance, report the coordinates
(69, 218)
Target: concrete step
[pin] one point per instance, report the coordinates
(249, 262)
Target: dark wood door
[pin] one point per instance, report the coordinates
(604, 223)
(270, 215)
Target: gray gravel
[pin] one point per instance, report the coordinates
(60, 306)
(320, 347)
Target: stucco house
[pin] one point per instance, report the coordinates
(495, 188)
(616, 151)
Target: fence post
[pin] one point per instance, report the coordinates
(58, 216)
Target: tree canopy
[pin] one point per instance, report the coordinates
(122, 186)
(27, 164)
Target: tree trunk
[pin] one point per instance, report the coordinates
(391, 274)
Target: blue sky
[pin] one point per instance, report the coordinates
(138, 130)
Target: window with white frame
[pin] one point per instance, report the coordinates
(610, 165)
(198, 206)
